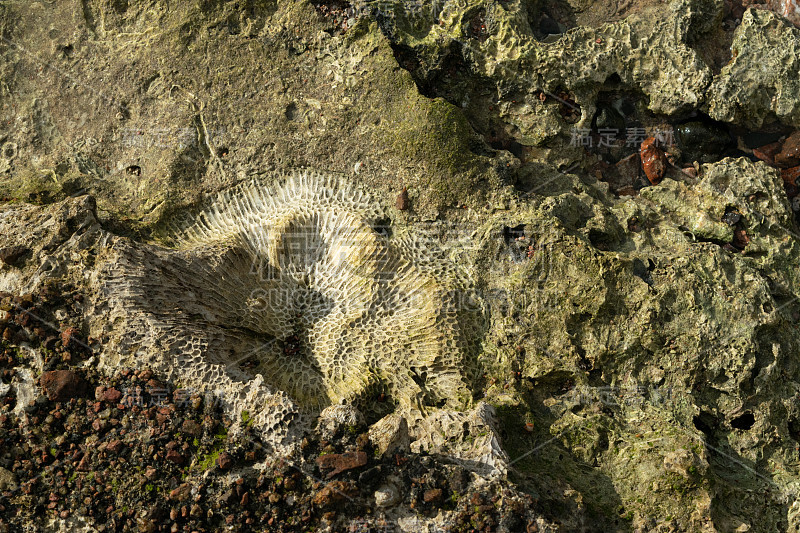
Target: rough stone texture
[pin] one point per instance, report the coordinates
(62, 385)
(754, 96)
(390, 434)
(638, 370)
(308, 298)
(335, 463)
(538, 81)
(7, 480)
(339, 310)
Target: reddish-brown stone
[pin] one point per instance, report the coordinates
(174, 456)
(654, 161)
(402, 200)
(789, 155)
(432, 495)
(191, 427)
(224, 461)
(62, 385)
(338, 463)
(768, 152)
(333, 493)
(69, 336)
(690, 171)
(790, 175)
(112, 395)
(83, 465)
(181, 493)
(740, 239)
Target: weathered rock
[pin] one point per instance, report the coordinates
(390, 435)
(337, 463)
(387, 495)
(787, 8)
(789, 156)
(62, 385)
(468, 108)
(181, 493)
(10, 255)
(224, 461)
(766, 43)
(334, 493)
(8, 481)
(338, 417)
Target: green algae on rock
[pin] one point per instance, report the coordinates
(761, 83)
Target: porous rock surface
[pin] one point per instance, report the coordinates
(632, 362)
(295, 284)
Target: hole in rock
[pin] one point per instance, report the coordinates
(744, 421)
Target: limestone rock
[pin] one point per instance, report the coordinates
(387, 495)
(765, 43)
(8, 481)
(390, 434)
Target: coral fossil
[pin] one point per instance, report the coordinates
(294, 283)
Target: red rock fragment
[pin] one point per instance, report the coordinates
(224, 461)
(654, 162)
(790, 175)
(402, 200)
(181, 493)
(338, 463)
(768, 152)
(111, 395)
(789, 155)
(432, 495)
(62, 385)
(333, 493)
(83, 466)
(175, 457)
(69, 336)
(115, 446)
